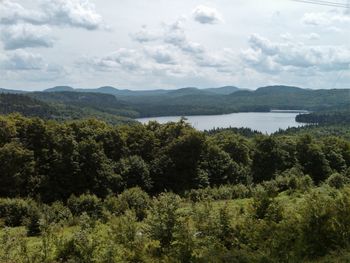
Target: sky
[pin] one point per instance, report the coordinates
(139, 44)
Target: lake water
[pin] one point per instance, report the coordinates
(265, 122)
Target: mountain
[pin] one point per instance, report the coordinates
(280, 90)
(11, 91)
(60, 89)
(101, 102)
(66, 106)
(189, 101)
(27, 106)
(157, 92)
(186, 92)
(223, 90)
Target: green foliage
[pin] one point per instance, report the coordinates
(14, 211)
(17, 171)
(337, 180)
(134, 172)
(52, 161)
(131, 199)
(86, 203)
(162, 218)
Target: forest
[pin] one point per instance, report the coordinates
(89, 191)
(121, 106)
(325, 117)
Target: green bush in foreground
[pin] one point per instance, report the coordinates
(286, 227)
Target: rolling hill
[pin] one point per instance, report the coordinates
(190, 101)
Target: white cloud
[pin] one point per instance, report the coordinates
(26, 35)
(313, 36)
(144, 35)
(175, 35)
(267, 56)
(21, 65)
(74, 13)
(12, 12)
(175, 46)
(206, 15)
(162, 54)
(22, 60)
(325, 18)
(260, 43)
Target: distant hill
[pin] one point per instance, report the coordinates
(63, 107)
(60, 89)
(280, 89)
(158, 92)
(223, 90)
(27, 106)
(190, 101)
(11, 91)
(101, 102)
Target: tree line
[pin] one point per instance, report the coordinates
(51, 161)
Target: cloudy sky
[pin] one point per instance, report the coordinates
(141, 44)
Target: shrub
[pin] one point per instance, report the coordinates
(162, 218)
(57, 213)
(87, 203)
(318, 233)
(32, 221)
(134, 199)
(337, 180)
(14, 211)
(225, 192)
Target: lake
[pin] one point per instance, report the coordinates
(265, 122)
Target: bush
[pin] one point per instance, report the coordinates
(87, 203)
(134, 199)
(57, 213)
(318, 231)
(32, 221)
(337, 180)
(14, 211)
(226, 192)
(162, 218)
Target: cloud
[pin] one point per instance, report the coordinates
(271, 57)
(258, 42)
(172, 53)
(73, 13)
(161, 54)
(313, 36)
(206, 15)
(123, 58)
(26, 35)
(144, 35)
(175, 35)
(21, 65)
(12, 13)
(22, 60)
(325, 18)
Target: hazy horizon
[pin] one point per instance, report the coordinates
(150, 89)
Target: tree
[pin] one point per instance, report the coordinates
(312, 159)
(134, 172)
(163, 215)
(96, 171)
(221, 169)
(17, 171)
(184, 155)
(268, 158)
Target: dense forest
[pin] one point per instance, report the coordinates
(63, 107)
(108, 101)
(325, 117)
(87, 191)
